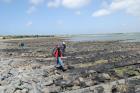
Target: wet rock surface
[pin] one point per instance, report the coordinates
(91, 67)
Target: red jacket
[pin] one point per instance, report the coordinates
(57, 53)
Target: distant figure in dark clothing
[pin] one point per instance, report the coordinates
(21, 44)
(63, 47)
(58, 54)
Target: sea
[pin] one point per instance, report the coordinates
(124, 37)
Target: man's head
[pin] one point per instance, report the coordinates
(63, 43)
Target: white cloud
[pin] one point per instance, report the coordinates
(33, 5)
(133, 7)
(128, 6)
(118, 5)
(102, 12)
(36, 2)
(72, 4)
(54, 3)
(31, 9)
(29, 23)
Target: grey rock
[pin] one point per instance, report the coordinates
(134, 82)
(106, 76)
(76, 82)
(70, 67)
(81, 79)
(75, 87)
(48, 82)
(45, 73)
(10, 89)
(89, 83)
(14, 72)
(36, 89)
(54, 89)
(2, 89)
(18, 91)
(63, 83)
(25, 90)
(103, 77)
(99, 89)
(137, 89)
(92, 72)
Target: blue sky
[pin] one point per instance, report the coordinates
(22, 17)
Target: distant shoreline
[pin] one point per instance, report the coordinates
(47, 35)
(123, 37)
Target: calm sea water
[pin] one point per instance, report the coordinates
(125, 37)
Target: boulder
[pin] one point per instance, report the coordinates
(53, 89)
(81, 79)
(137, 89)
(121, 88)
(45, 73)
(76, 82)
(130, 73)
(10, 89)
(70, 67)
(134, 82)
(99, 89)
(103, 77)
(25, 90)
(106, 76)
(2, 89)
(92, 72)
(89, 83)
(18, 91)
(48, 82)
(64, 83)
(75, 87)
(45, 90)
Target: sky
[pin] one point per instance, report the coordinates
(44, 17)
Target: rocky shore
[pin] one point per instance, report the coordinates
(92, 67)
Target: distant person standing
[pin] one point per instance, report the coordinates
(63, 47)
(58, 54)
(21, 44)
